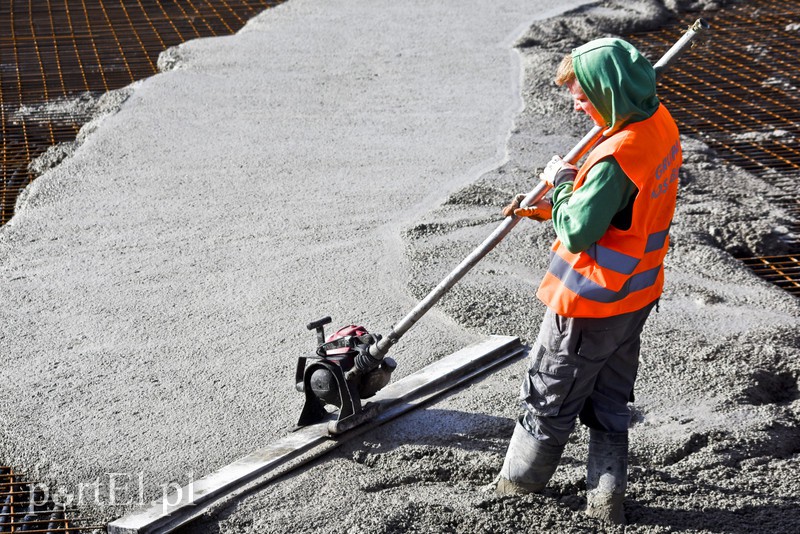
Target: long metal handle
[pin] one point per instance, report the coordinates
(379, 350)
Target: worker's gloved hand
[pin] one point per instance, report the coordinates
(509, 210)
(558, 171)
(540, 211)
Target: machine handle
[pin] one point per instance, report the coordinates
(319, 324)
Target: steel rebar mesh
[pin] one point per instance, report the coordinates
(740, 96)
(56, 56)
(783, 271)
(25, 507)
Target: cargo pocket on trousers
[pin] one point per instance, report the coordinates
(598, 345)
(548, 385)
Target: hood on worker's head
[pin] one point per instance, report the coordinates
(617, 80)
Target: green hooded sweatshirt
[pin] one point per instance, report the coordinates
(621, 84)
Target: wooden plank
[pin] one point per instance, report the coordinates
(258, 468)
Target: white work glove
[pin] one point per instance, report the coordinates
(558, 171)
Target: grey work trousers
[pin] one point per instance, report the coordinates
(582, 368)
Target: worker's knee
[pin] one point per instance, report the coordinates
(605, 418)
(553, 431)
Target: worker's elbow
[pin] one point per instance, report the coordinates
(574, 246)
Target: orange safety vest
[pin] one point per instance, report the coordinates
(623, 271)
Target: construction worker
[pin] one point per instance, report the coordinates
(611, 217)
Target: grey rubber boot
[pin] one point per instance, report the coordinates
(528, 466)
(607, 476)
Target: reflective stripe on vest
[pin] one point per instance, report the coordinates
(588, 289)
(613, 260)
(656, 241)
(622, 263)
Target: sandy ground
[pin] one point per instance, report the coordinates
(340, 159)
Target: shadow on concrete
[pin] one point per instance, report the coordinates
(781, 518)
